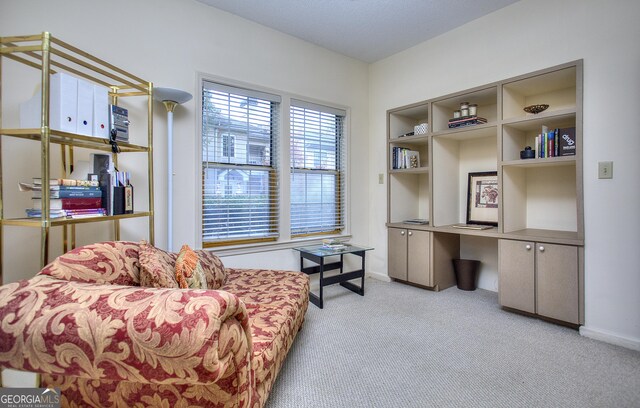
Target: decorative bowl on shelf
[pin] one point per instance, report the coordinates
(535, 109)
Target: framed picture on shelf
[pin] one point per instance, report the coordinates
(482, 200)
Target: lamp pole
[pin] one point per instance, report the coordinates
(170, 98)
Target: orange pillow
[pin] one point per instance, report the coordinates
(188, 272)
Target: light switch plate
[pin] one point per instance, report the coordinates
(605, 169)
(380, 178)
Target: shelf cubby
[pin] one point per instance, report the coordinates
(403, 120)
(409, 195)
(541, 197)
(485, 98)
(454, 157)
(516, 135)
(556, 87)
(420, 145)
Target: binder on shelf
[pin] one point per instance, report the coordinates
(85, 108)
(63, 105)
(63, 101)
(100, 111)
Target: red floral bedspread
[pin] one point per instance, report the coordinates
(112, 345)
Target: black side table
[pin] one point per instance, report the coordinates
(318, 253)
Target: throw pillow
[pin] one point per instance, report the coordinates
(156, 267)
(189, 273)
(213, 268)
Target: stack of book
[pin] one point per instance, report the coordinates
(403, 158)
(333, 244)
(557, 142)
(466, 121)
(67, 198)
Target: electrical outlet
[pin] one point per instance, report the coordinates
(380, 178)
(605, 170)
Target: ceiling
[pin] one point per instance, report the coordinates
(368, 30)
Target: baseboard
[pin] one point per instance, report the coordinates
(609, 337)
(378, 276)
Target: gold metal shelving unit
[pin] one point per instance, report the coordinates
(50, 55)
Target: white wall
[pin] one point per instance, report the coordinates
(168, 42)
(524, 37)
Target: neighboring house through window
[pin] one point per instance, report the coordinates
(239, 150)
(241, 199)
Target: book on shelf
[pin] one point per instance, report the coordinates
(69, 203)
(77, 192)
(37, 181)
(416, 221)
(403, 158)
(38, 187)
(567, 141)
(86, 213)
(466, 121)
(74, 214)
(472, 226)
(35, 213)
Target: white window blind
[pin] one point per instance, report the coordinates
(317, 149)
(239, 170)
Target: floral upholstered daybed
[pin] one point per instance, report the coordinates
(88, 323)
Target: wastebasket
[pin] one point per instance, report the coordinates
(466, 270)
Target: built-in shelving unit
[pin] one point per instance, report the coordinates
(50, 55)
(540, 199)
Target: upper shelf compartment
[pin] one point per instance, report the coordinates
(409, 123)
(556, 87)
(62, 57)
(98, 84)
(485, 99)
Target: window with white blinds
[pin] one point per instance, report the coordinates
(240, 198)
(317, 150)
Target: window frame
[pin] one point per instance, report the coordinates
(338, 172)
(284, 239)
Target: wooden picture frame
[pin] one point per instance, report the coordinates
(482, 198)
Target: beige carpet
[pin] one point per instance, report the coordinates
(400, 346)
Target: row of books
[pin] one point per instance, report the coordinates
(466, 121)
(403, 158)
(68, 198)
(557, 142)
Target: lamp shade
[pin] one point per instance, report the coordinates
(172, 95)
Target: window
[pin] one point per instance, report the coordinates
(317, 169)
(240, 174)
(228, 146)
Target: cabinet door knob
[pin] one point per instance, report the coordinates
(528, 247)
(401, 232)
(410, 233)
(541, 248)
